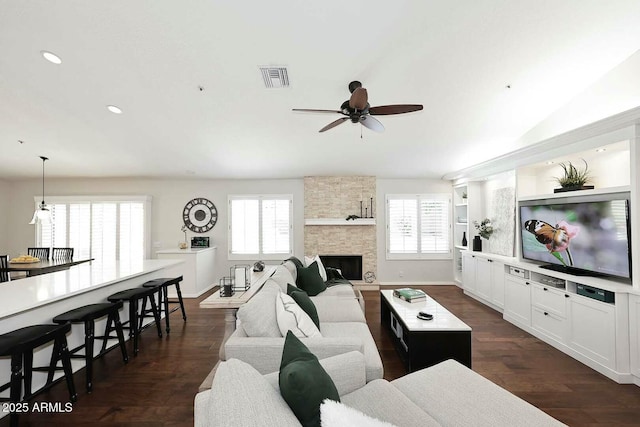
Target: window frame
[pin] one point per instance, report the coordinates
(419, 254)
(146, 200)
(260, 255)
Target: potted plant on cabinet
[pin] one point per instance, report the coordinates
(485, 230)
(573, 178)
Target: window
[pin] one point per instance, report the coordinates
(103, 228)
(260, 227)
(419, 226)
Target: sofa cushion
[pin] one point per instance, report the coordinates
(455, 395)
(258, 316)
(240, 395)
(282, 276)
(316, 258)
(335, 414)
(303, 382)
(359, 330)
(292, 318)
(305, 303)
(309, 280)
(338, 309)
(381, 400)
(341, 290)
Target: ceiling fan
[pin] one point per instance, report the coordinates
(357, 109)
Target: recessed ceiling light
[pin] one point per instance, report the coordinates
(51, 57)
(601, 150)
(114, 109)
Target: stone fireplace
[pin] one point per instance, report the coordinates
(328, 202)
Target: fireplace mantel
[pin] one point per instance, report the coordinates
(339, 221)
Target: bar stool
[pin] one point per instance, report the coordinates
(163, 299)
(19, 344)
(134, 324)
(88, 315)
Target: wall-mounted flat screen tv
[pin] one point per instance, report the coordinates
(582, 235)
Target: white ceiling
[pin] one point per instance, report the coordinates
(149, 57)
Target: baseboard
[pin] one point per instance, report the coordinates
(424, 283)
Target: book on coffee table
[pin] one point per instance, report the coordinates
(410, 294)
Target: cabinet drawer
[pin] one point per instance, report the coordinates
(549, 299)
(549, 324)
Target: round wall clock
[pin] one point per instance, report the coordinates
(200, 215)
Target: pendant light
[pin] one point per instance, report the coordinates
(42, 213)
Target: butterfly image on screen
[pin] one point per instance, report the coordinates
(547, 234)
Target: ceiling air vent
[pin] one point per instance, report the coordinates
(275, 77)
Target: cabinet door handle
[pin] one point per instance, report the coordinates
(566, 295)
(526, 283)
(546, 314)
(545, 289)
(490, 260)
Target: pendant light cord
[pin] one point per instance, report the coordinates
(44, 159)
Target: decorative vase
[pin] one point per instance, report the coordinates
(477, 244)
(464, 238)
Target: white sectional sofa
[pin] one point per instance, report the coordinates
(258, 341)
(447, 394)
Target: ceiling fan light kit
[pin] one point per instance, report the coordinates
(358, 110)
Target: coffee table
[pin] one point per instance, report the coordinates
(423, 343)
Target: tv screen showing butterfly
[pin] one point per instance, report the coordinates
(583, 235)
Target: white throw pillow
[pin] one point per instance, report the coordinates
(293, 318)
(308, 260)
(335, 414)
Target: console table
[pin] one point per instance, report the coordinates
(231, 304)
(422, 343)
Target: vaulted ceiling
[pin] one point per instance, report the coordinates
(186, 76)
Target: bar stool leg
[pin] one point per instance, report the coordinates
(133, 324)
(156, 315)
(184, 313)
(89, 334)
(16, 380)
(28, 373)
(61, 343)
(164, 293)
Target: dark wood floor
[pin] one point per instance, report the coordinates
(157, 387)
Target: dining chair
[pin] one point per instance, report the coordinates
(62, 254)
(4, 274)
(42, 253)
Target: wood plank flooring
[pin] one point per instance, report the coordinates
(158, 386)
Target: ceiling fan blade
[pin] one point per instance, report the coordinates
(385, 110)
(359, 98)
(372, 123)
(334, 124)
(310, 110)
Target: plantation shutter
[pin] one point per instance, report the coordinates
(403, 226)
(434, 220)
(245, 226)
(275, 226)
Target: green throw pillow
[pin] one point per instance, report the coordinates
(309, 280)
(305, 303)
(304, 384)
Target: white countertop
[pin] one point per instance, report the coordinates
(443, 320)
(31, 292)
(185, 251)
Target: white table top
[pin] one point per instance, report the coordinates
(31, 292)
(443, 320)
(239, 298)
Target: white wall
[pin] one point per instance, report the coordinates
(410, 271)
(169, 198)
(5, 204)
(615, 92)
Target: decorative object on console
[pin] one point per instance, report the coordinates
(226, 287)
(464, 238)
(241, 277)
(477, 244)
(199, 215)
(199, 242)
(369, 277)
(573, 179)
(42, 213)
(485, 229)
(183, 245)
(258, 266)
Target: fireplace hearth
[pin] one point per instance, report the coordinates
(350, 265)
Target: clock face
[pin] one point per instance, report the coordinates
(200, 215)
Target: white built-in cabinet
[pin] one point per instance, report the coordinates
(634, 335)
(547, 305)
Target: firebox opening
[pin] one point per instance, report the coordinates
(350, 265)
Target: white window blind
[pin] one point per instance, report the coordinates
(260, 226)
(106, 230)
(418, 226)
